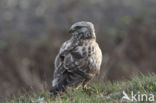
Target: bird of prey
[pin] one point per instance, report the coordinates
(78, 60)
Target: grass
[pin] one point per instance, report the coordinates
(107, 92)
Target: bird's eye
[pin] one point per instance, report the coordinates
(78, 27)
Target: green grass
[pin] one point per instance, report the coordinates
(106, 92)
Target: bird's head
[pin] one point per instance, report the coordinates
(83, 30)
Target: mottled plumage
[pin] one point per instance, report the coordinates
(79, 58)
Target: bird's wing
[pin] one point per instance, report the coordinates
(64, 50)
(73, 57)
(59, 68)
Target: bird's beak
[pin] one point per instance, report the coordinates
(71, 30)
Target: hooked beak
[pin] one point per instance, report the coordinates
(71, 30)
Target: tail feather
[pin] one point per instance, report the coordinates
(60, 86)
(67, 79)
(55, 90)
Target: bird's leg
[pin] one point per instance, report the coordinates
(88, 89)
(84, 85)
(77, 86)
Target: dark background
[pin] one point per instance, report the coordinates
(32, 31)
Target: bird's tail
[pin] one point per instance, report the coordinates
(67, 79)
(60, 85)
(55, 90)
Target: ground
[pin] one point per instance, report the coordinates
(107, 92)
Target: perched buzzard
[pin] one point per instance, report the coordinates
(78, 60)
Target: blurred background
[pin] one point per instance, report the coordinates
(32, 31)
